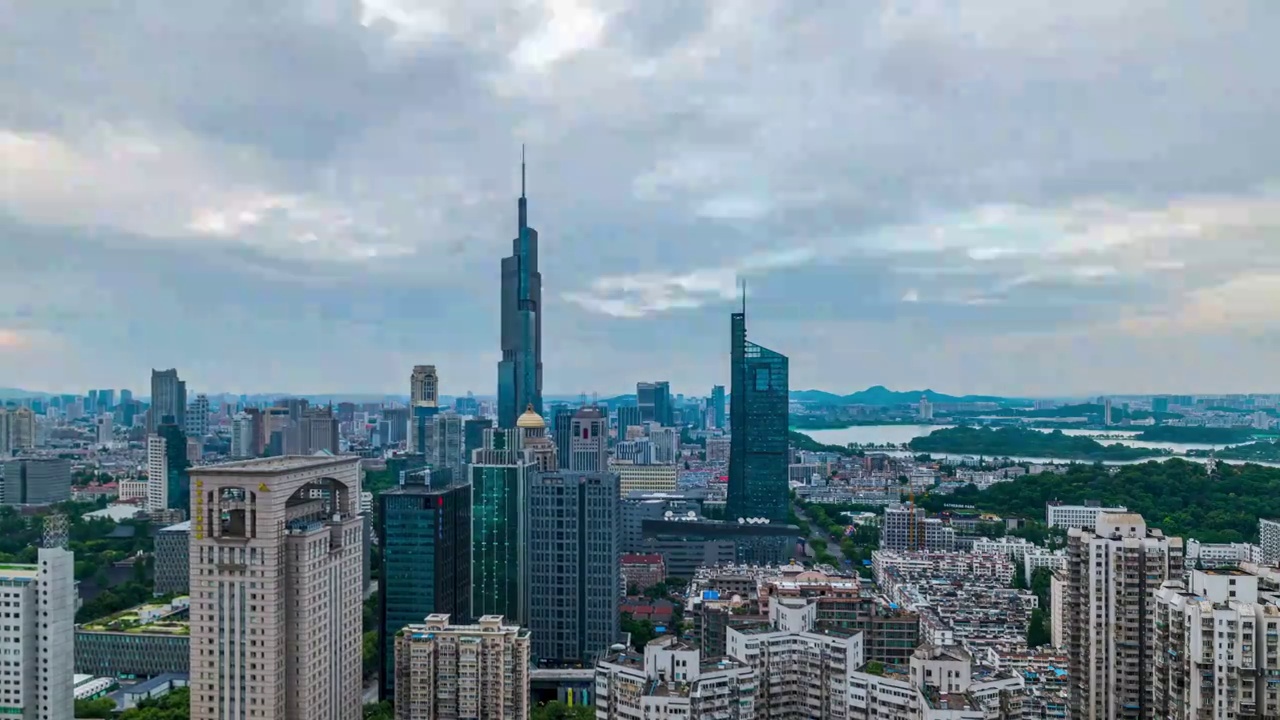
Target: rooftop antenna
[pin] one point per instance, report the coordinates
(521, 169)
(743, 281)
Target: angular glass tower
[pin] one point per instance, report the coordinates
(758, 429)
(426, 561)
(520, 370)
(499, 535)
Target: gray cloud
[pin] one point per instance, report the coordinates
(335, 179)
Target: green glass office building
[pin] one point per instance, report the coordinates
(758, 451)
(499, 535)
(426, 561)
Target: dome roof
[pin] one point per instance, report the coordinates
(530, 419)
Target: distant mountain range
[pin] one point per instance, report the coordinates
(877, 395)
(881, 395)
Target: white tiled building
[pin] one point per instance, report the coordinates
(37, 637)
(673, 680)
(1112, 571)
(802, 669)
(157, 474)
(1269, 539)
(941, 683)
(1216, 648)
(1076, 516)
(462, 671)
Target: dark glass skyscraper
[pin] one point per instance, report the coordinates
(426, 560)
(717, 405)
(758, 402)
(520, 370)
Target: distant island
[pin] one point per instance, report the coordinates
(1018, 442)
(800, 441)
(1199, 435)
(1261, 451)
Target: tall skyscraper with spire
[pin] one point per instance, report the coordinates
(758, 407)
(520, 370)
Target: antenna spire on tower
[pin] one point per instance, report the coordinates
(521, 169)
(744, 295)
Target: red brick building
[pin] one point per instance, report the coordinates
(642, 571)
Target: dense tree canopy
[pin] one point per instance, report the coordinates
(1179, 497)
(1019, 442)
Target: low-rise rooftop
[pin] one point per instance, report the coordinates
(275, 465)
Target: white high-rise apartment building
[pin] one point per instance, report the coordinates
(673, 680)
(800, 669)
(198, 418)
(1077, 516)
(157, 473)
(941, 682)
(462, 671)
(1217, 648)
(242, 436)
(105, 431)
(1269, 539)
(925, 409)
(275, 558)
(1113, 572)
(37, 637)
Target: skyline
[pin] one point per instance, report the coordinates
(989, 197)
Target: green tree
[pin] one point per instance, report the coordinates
(369, 653)
(641, 631)
(379, 711)
(1037, 630)
(99, 708)
(174, 705)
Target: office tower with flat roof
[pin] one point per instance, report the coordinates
(38, 637)
(589, 440)
(628, 416)
(663, 410)
(173, 559)
(276, 606)
(717, 406)
(177, 461)
(520, 370)
(573, 566)
(1113, 572)
(448, 443)
(499, 474)
(647, 401)
(562, 430)
(17, 430)
(168, 397)
(473, 435)
(448, 670)
(35, 481)
(426, 560)
(758, 414)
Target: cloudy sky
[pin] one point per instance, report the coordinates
(1006, 196)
